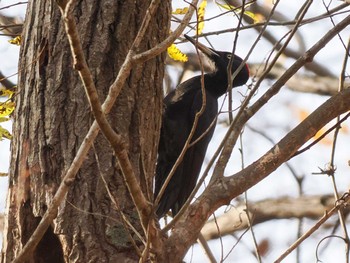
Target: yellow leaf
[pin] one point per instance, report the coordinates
(180, 11)
(6, 108)
(6, 93)
(176, 54)
(201, 13)
(4, 134)
(239, 10)
(3, 174)
(16, 41)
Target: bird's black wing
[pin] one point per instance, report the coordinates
(174, 133)
(176, 126)
(170, 147)
(194, 157)
(180, 108)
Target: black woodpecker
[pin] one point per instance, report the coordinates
(180, 108)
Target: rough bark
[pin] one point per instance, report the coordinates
(53, 116)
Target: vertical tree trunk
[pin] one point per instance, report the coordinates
(53, 116)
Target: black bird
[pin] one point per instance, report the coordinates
(180, 108)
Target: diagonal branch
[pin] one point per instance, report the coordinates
(223, 189)
(342, 203)
(115, 139)
(235, 219)
(227, 150)
(155, 51)
(83, 150)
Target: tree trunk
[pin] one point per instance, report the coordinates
(53, 116)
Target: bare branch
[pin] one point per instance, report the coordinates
(322, 85)
(5, 82)
(301, 82)
(69, 178)
(11, 26)
(312, 207)
(227, 149)
(341, 204)
(167, 42)
(332, 164)
(223, 189)
(202, 178)
(116, 140)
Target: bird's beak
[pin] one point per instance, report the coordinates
(207, 51)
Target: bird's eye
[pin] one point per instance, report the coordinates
(228, 56)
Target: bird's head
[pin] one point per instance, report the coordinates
(221, 61)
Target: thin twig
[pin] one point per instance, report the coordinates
(339, 205)
(250, 227)
(217, 152)
(332, 165)
(115, 139)
(222, 190)
(169, 40)
(230, 143)
(189, 138)
(231, 76)
(247, 207)
(308, 147)
(323, 239)
(18, 3)
(206, 248)
(238, 241)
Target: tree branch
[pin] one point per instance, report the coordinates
(312, 207)
(161, 47)
(115, 139)
(340, 205)
(5, 82)
(229, 144)
(114, 91)
(223, 189)
(322, 85)
(69, 178)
